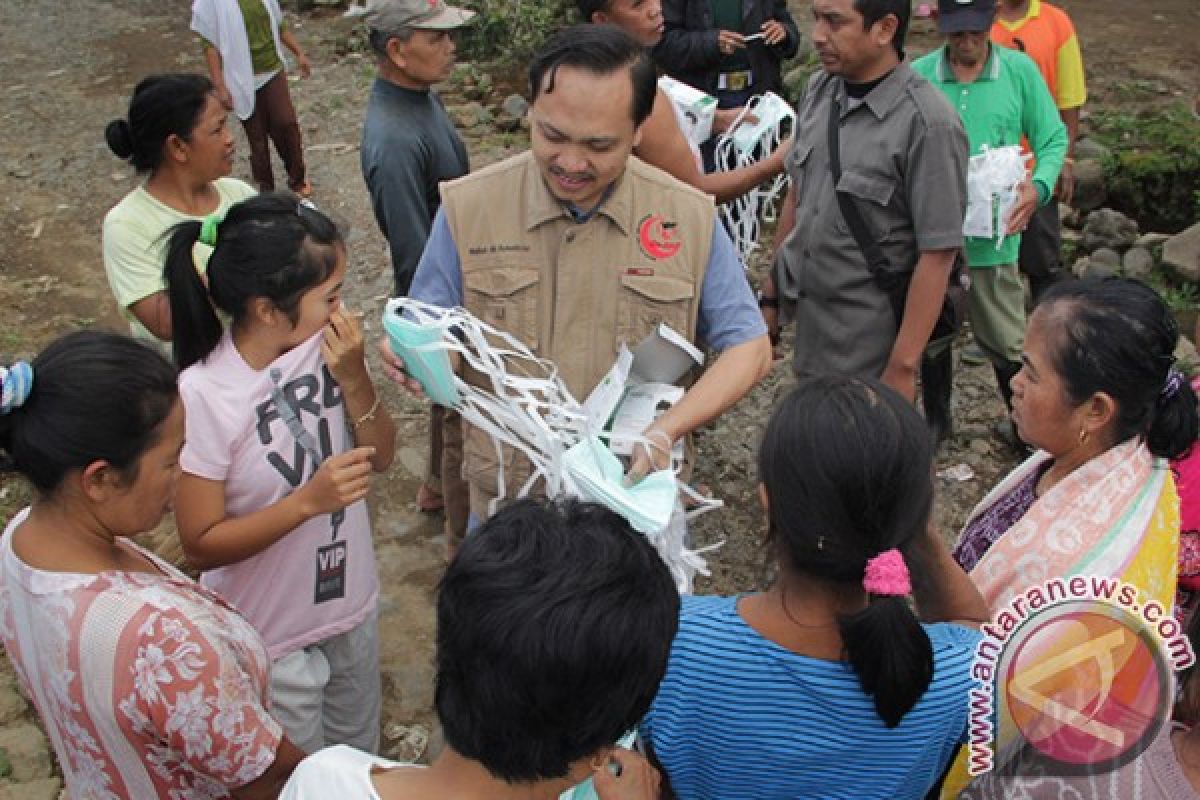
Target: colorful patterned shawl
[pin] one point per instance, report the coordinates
(1115, 516)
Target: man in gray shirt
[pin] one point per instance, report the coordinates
(903, 155)
(409, 146)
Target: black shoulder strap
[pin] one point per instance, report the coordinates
(877, 262)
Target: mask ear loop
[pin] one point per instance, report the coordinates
(512, 412)
(534, 413)
(743, 215)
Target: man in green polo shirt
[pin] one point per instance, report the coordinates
(1002, 99)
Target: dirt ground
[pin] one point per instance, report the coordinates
(68, 66)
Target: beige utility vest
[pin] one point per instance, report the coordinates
(573, 292)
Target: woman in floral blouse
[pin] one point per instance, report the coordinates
(148, 685)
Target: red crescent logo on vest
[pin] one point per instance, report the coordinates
(657, 237)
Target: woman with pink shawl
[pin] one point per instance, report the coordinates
(1100, 399)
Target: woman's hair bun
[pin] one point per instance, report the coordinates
(119, 136)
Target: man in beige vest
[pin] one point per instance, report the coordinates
(577, 246)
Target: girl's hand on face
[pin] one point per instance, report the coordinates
(343, 350)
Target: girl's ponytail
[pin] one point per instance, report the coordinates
(271, 246)
(195, 327)
(847, 465)
(891, 654)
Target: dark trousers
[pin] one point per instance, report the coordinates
(445, 470)
(1040, 257)
(275, 117)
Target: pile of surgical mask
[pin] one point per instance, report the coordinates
(527, 407)
(742, 145)
(993, 179)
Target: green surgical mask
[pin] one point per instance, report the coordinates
(599, 477)
(424, 354)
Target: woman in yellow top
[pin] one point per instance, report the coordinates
(175, 135)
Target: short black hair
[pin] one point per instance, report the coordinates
(554, 624)
(874, 10)
(847, 464)
(1117, 336)
(589, 7)
(162, 106)
(601, 50)
(96, 396)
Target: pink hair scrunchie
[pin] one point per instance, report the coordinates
(887, 575)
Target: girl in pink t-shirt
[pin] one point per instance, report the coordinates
(284, 428)
(148, 684)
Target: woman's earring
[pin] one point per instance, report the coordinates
(1083, 436)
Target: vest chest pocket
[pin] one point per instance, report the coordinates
(646, 301)
(505, 298)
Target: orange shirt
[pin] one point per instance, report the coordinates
(1047, 36)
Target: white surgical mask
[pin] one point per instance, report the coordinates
(598, 476)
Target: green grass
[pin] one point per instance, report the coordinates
(1153, 173)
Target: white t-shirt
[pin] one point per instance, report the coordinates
(319, 580)
(135, 243)
(336, 773)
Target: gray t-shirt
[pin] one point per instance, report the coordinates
(409, 146)
(904, 162)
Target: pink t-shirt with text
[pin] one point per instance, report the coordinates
(319, 580)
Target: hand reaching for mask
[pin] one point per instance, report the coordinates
(650, 456)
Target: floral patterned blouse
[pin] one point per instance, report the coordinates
(148, 685)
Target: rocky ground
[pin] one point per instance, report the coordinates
(68, 67)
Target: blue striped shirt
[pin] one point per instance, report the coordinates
(738, 716)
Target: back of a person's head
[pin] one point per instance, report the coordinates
(589, 7)
(162, 106)
(555, 621)
(600, 50)
(272, 245)
(1116, 336)
(90, 396)
(847, 467)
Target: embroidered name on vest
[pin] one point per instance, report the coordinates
(487, 249)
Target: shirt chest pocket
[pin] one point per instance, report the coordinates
(645, 301)
(506, 298)
(872, 196)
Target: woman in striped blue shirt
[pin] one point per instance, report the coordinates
(828, 684)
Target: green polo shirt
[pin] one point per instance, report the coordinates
(1009, 100)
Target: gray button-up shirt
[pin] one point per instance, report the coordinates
(904, 162)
